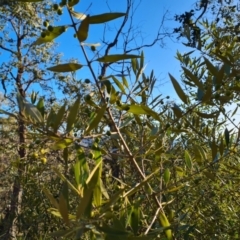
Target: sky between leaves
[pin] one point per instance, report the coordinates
(147, 19)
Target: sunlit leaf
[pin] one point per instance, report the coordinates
(79, 16)
(102, 18)
(63, 143)
(165, 223)
(49, 36)
(116, 57)
(166, 175)
(188, 160)
(82, 32)
(67, 67)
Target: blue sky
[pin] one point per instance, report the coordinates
(148, 19)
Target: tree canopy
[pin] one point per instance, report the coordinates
(112, 159)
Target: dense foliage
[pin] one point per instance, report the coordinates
(112, 160)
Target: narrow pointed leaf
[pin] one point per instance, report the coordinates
(166, 175)
(62, 144)
(67, 67)
(59, 118)
(40, 106)
(179, 90)
(57, 31)
(73, 3)
(125, 82)
(63, 208)
(134, 219)
(96, 120)
(102, 18)
(79, 16)
(188, 160)
(165, 223)
(73, 115)
(116, 57)
(50, 197)
(211, 67)
(82, 32)
(226, 135)
(193, 78)
(120, 86)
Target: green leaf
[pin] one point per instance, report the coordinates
(102, 18)
(82, 32)
(59, 118)
(120, 86)
(136, 109)
(86, 201)
(63, 208)
(32, 113)
(73, 115)
(40, 106)
(166, 175)
(214, 150)
(193, 78)
(208, 94)
(63, 178)
(179, 90)
(57, 31)
(116, 57)
(125, 82)
(165, 223)
(63, 143)
(73, 3)
(50, 197)
(177, 111)
(211, 67)
(134, 219)
(188, 160)
(226, 135)
(67, 67)
(95, 121)
(79, 16)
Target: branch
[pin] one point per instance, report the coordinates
(7, 49)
